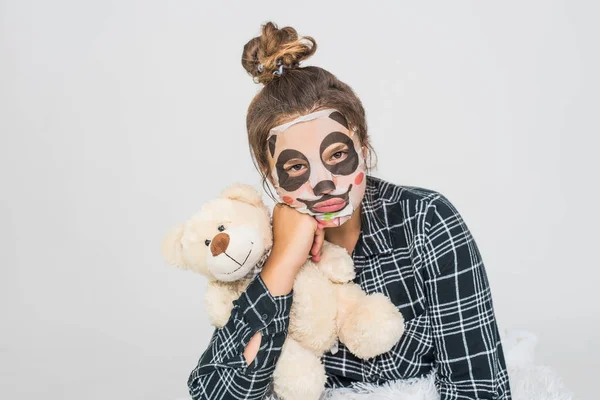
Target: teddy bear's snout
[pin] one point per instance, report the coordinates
(219, 244)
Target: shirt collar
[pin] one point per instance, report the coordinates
(375, 234)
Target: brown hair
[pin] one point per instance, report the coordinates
(294, 91)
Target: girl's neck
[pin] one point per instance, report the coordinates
(347, 234)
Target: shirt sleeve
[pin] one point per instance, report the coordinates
(222, 371)
(468, 352)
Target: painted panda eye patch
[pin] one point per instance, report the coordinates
(293, 169)
(331, 147)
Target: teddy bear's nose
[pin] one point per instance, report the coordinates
(219, 244)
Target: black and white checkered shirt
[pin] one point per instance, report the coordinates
(415, 248)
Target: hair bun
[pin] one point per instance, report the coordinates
(275, 47)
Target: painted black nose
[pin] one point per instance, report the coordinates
(324, 187)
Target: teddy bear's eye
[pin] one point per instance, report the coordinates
(221, 228)
(207, 242)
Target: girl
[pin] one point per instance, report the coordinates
(308, 137)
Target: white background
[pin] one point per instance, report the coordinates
(119, 118)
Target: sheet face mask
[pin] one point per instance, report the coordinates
(317, 165)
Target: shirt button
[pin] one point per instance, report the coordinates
(264, 317)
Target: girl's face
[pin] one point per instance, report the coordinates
(317, 166)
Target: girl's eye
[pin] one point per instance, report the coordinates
(207, 242)
(221, 228)
(338, 156)
(296, 168)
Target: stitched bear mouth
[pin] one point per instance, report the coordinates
(237, 262)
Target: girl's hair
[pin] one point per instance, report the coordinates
(289, 90)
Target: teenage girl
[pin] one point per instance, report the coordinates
(308, 137)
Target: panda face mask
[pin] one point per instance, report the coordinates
(317, 166)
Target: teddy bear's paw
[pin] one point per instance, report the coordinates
(373, 327)
(336, 264)
(299, 373)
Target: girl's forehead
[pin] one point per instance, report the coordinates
(326, 113)
(313, 130)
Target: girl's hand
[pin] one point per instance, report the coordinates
(296, 236)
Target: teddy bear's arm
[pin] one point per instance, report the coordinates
(336, 264)
(219, 302)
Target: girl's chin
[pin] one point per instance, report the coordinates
(332, 223)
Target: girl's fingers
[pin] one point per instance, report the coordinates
(317, 241)
(315, 251)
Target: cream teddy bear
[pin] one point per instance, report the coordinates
(226, 242)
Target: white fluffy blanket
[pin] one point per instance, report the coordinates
(528, 381)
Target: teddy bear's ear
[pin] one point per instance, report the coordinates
(172, 250)
(242, 192)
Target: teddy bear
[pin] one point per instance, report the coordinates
(228, 240)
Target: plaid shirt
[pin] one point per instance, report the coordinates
(415, 248)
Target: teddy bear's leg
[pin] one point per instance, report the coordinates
(368, 325)
(299, 374)
(313, 313)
